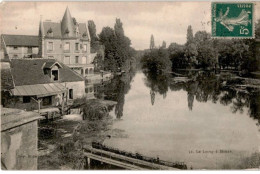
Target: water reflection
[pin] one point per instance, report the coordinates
(170, 114)
(207, 86)
(116, 90)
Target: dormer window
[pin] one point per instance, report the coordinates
(55, 75)
(67, 31)
(84, 34)
(50, 32)
(77, 30)
(52, 70)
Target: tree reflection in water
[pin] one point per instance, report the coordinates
(117, 89)
(207, 86)
(202, 86)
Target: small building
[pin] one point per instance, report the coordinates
(41, 83)
(19, 46)
(19, 139)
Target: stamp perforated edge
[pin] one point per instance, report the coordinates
(253, 23)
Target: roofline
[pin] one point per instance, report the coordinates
(23, 45)
(9, 59)
(18, 35)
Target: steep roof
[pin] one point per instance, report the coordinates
(20, 40)
(30, 72)
(56, 28)
(59, 29)
(67, 24)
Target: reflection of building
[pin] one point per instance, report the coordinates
(19, 46)
(67, 41)
(40, 83)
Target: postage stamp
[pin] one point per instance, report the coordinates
(233, 20)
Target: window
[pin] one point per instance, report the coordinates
(50, 46)
(67, 46)
(85, 47)
(82, 71)
(15, 56)
(26, 99)
(77, 59)
(29, 50)
(70, 93)
(66, 60)
(77, 46)
(15, 48)
(55, 75)
(90, 89)
(47, 101)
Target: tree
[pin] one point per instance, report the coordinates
(107, 38)
(206, 55)
(163, 45)
(189, 35)
(119, 31)
(152, 46)
(257, 29)
(157, 60)
(176, 54)
(92, 31)
(191, 49)
(117, 47)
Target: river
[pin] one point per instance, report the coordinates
(200, 118)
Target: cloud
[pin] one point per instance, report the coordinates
(165, 20)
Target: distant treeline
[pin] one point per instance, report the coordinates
(202, 52)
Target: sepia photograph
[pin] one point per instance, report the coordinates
(130, 85)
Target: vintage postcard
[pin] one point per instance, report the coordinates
(130, 85)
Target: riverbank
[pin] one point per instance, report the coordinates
(61, 141)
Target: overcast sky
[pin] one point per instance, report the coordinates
(165, 20)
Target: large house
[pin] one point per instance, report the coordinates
(33, 84)
(67, 41)
(19, 46)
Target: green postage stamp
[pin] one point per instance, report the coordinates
(232, 20)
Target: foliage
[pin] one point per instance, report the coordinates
(157, 60)
(152, 45)
(201, 51)
(117, 46)
(190, 48)
(163, 45)
(176, 53)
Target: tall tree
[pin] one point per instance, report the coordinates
(92, 30)
(119, 31)
(191, 50)
(189, 35)
(152, 46)
(163, 45)
(117, 47)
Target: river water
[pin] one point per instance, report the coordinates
(201, 119)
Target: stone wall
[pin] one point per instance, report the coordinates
(19, 139)
(78, 88)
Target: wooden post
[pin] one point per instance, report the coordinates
(39, 103)
(88, 161)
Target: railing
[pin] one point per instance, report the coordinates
(139, 158)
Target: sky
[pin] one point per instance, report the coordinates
(167, 21)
